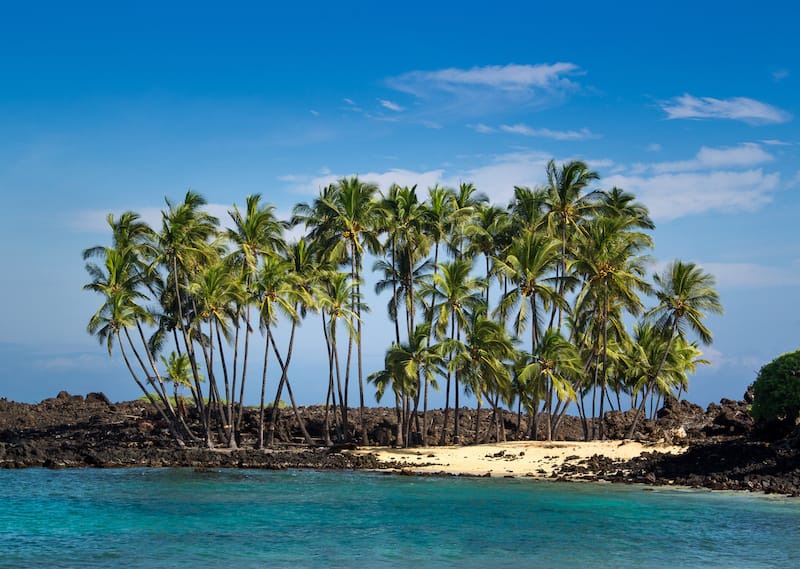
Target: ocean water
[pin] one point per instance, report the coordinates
(246, 518)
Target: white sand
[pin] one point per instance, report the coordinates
(536, 459)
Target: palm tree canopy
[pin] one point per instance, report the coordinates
(685, 295)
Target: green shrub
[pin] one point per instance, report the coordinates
(776, 391)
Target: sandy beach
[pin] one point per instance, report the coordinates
(537, 459)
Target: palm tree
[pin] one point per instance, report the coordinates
(527, 210)
(465, 203)
(438, 210)
(334, 298)
(183, 246)
(642, 364)
(612, 269)
(255, 233)
(553, 366)
(403, 365)
(275, 287)
(218, 293)
(566, 207)
(528, 264)
(178, 370)
(619, 204)
(461, 296)
(406, 244)
(346, 218)
(486, 235)
(481, 361)
(118, 281)
(685, 296)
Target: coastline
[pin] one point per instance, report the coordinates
(566, 460)
(687, 446)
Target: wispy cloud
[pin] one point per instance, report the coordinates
(737, 108)
(653, 147)
(390, 105)
(490, 89)
(350, 105)
(741, 156)
(72, 362)
(505, 77)
(482, 128)
(525, 130)
(780, 74)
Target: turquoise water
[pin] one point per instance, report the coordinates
(245, 518)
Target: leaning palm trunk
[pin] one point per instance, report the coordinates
(147, 394)
(229, 417)
(188, 345)
(263, 388)
(285, 381)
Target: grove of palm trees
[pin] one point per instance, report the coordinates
(540, 307)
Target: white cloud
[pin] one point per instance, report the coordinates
(384, 180)
(720, 361)
(496, 178)
(736, 108)
(349, 101)
(775, 142)
(742, 156)
(390, 105)
(653, 147)
(674, 195)
(314, 113)
(716, 180)
(751, 275)
(525, 130)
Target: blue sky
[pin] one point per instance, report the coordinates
(105, 107)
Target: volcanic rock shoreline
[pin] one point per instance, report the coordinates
(725, 450)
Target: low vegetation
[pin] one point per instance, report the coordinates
(776, 393)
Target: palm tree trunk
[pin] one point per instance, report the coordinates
(244, 371)
(229, 421)
(263, 388)
(364, 437)
(274, 416)
(342, 397)
(147, 394)
(446, 409)
(477, 419)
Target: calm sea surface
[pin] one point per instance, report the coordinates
(241, 518)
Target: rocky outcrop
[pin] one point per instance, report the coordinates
(724, 452)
